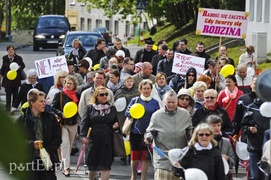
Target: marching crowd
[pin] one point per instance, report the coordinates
(198, 110)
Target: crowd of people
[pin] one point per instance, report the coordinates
(198, 110)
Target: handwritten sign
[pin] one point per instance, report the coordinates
(182, 62)
(50, 66)
(222, 23)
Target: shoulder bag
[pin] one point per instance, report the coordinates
(126, 128)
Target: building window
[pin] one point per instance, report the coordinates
(259, 11)
(251, 10)
(107, 25)
(98, 23)
(266, 11)
(89, 25)
(116, 28)
(127, 28)
(82, 24)
(72, 3)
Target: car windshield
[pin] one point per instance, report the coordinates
(102, 30)
(86, 39)
(52, 22)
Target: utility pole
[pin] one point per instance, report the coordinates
(8, 17)
(139, 33)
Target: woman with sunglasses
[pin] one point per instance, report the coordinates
(211, 107)
(101, 116)
(69, 125)
(190, 79)
(186, 101)
(203, 154)
(139, 151)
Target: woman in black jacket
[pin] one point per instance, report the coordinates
(69, 125)
(77, 53)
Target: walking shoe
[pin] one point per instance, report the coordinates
(74, 151)
(66, 172)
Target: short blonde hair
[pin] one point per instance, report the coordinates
(202, 127)
(144, 82)
(58, 75)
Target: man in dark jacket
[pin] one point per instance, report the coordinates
(146, 54)
(40, 126)
(118, 46)
(165, 65)
(97, 53)
(183, 47)
(200, 52)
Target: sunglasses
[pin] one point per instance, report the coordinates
(183, 98)
(209, 97)
(192, 75)
(204, 134)
(103, 94)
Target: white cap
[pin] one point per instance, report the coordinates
(120, 53)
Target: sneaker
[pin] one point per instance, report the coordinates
(139, 171)
(74, 151)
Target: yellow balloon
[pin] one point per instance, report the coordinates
(154, 47)
(226, 70)
(25, 105)
(137, 111)
(70, 109)
(127, 147)
(96, 67)
(11, 75)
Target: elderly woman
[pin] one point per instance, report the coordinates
(69, 125)
(168, 124)
(114, 82)
(58, 86)
(186, 101)
(211, 107)
(30, 83)
(228, 97)
(160, 87)
(138, 149)
(101, 116)
(77, 53)
(203, 154)
(199, 87)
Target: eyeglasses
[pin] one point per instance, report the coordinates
(204, 134)
(191, 75)
(209, 97)
(183, 98)
(131, 64)
(68, 83)
(103, 94)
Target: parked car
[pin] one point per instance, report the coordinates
(105, 33)
(87, 38)
(49, 31)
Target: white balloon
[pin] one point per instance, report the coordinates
(265, 109)
(226, 166)
(14, 66)
(120, 104)
(89, 61)
(175, 155)
(250, 71)
(194, 174)
(241, 151)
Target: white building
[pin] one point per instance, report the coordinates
(259, 27)
(86, 20)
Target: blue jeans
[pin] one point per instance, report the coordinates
(255, 173)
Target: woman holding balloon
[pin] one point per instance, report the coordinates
(141, 109)
(11, 73)
(64, 105)
(101, 116)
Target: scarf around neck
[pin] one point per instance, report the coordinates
(230, 95)
(102, 108)
(161, 90)
(145, 98)
(71, 95)
(198, 147)
(210, 107)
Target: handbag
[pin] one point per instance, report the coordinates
(126, 128)
(119, 148)
(23, 75)
(46, 161)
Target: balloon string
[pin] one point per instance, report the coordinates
(249, 107)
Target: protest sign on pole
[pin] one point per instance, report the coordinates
(222, 23)
(182, 62)
(50, 66)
